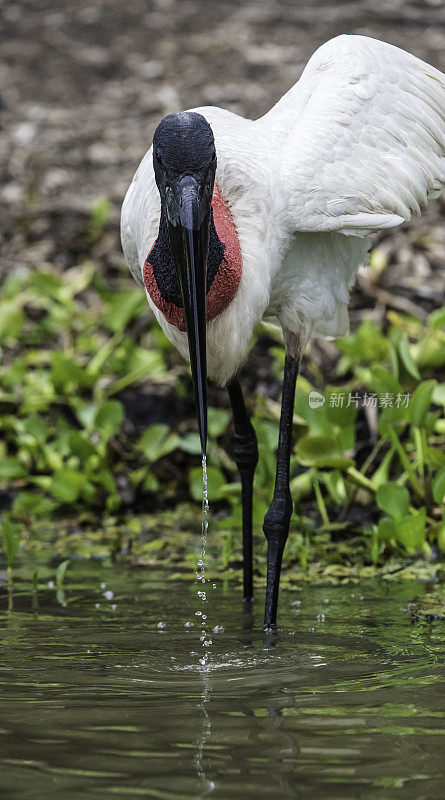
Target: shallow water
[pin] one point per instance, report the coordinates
(97, 701)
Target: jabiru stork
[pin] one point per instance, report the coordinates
(229, 221)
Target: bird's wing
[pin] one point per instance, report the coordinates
(363, 138)
(140, 217)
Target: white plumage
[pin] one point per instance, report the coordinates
(358, 144)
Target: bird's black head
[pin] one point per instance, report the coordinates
(183, 142)
(184, 161)
(184, 155)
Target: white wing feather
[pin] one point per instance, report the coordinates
(140, 217)
(365, 143)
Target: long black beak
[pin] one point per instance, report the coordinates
(188, 215)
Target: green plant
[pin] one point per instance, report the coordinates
(10, 532)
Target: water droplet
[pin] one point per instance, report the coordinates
(103, 586)
(218, 629)
(97, 605)
(51, 584)
(198, 613)
(114, 606)
(188, 624)
(160, 625)
(108, 595)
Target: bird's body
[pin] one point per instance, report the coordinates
(356, 145)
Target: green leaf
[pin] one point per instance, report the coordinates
(441, 537)
(10, 532)
(143, 364)
(435, 457)
(105, 478)
(420, 403)
(191, 443)
(28, 505)
(11, 469)
(76, 279)
(61, 572)
(335, 485)
(67, 374)
(123, 307)
(217, 421)
(406, 357)
(157, 442)
(81, 446)
(436, 319)
(215, 479)
(66, 485)
(86, 413)
(411, 531)
(366, 345)
(337, 409)
(11, 320)
(386, 529)
(430, 352)
(37, 428)
(46, 284)
(439, 395)
(383, 382)
(108, 418)
(316, 417)
(151, 483)
(393, 499)
(322, 451)
(439, 486)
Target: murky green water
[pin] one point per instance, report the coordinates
(99, 700)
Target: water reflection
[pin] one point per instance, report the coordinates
(208, 784)
(341, 702)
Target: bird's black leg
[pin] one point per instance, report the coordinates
(246, 459)
(277, 519)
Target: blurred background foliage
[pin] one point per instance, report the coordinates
(76, 351)
(96, 412)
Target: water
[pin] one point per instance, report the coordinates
(97, 701)
(201, 572)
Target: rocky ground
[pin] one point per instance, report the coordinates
(83, 85)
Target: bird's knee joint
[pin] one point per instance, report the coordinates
(245, 450)
(277, 519)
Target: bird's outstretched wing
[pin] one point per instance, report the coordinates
(363, 138)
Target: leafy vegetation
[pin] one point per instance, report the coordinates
(368, 464)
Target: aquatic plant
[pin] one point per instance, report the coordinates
(76, 350)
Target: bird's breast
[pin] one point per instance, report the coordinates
(224, 267)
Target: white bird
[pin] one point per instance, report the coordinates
(275, 224)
